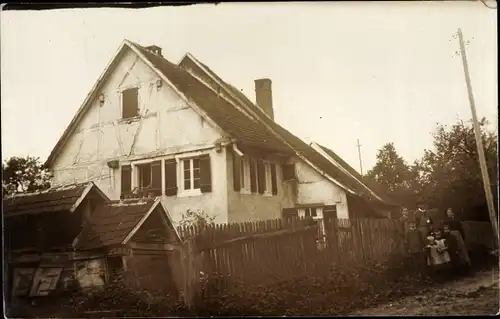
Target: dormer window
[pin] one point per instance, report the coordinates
(130, 103)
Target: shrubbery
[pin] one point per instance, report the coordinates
(334, 290)
(337, 291)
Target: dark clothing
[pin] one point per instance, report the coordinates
(419, 262)
(455, 224)
(452, 244)
(415, 243)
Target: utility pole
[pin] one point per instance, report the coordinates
(479, 142)
(359, 155)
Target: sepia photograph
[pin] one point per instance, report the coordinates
(250, 159)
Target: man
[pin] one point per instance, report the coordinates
(425, 224)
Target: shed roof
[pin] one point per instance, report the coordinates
(62, 198)
(111, 223)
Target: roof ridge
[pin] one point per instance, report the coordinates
(48, 190)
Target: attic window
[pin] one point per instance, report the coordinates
(130, 103)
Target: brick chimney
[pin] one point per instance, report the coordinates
(264, 96)
(155, 49)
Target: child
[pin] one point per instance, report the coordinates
(436, 255)
(442, 248)
(415, 247)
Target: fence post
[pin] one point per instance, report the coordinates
(190, 261)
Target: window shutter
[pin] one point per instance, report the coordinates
(130, 103)
(156, 176)
(126, 184)
(170, 177)
(253, 176)
(236, 172)
(288, 172)
(274, 181)
(261, 172)
(205, 174)
(330, 211)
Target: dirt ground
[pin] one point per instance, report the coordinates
(476, 295)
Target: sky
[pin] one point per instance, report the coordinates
(341, 71)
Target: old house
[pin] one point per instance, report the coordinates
(180, 132)
(76, 234)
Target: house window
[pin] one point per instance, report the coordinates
(149, 178)
(130, 103)
(316, 213)
(270, 179)
(288, 172)
(191, 173)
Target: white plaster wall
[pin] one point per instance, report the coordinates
(313, 188)
(167, 125)
(244, 207)
(214, 203)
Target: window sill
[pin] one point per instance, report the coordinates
(245, 192)
(130, 119)
(190, 193)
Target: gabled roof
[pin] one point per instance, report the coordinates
(219, 109)
(57, 199)
(355, 176)
(345, 174)
(254, 130)
(115, 223)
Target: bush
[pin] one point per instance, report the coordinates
(125, 300)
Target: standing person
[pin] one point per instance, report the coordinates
(457, 231)
(437, 256)
(452, 244)
(415, 246)
(424, 222)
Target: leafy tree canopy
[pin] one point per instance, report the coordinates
(446, 176)
(24, 174)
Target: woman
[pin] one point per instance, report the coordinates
(457, 231)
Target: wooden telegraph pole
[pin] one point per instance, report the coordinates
(479, 142)
(359, 155)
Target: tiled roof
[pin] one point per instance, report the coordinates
(371, 185)
(110, 223)
(51, 200)
(223, 113)
(306, 150)
(253, 132)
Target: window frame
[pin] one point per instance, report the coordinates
(253, 162)
(182, 192)
(267, 173)
(151, 164)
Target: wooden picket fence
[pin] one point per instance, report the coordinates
(217, 257)
(479, 234)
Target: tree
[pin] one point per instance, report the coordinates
(393, 174)
(450, 174)
(24, 174)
